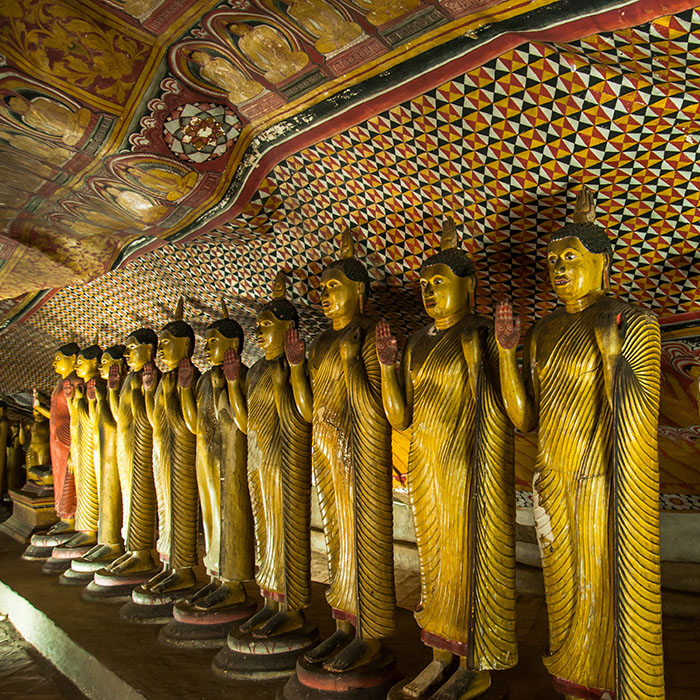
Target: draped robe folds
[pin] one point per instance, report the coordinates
(85, 454)
(461, 488)
(222, 484)
(110, 513)
(175, 478)
(134, 462)
(279, 475)
(351, 461)
(596, 503)
(60, 441)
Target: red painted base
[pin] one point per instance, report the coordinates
(369, 682)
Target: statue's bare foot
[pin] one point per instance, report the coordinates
(464, 684)
(357, 653)
(259, 618)
(176, 580)
(133, 563)
(225, 594)
(431, 675)
(81, 539)
(60, 527)
(113, 566)
(155, 580)
(103, 552)
(280, 623)
(204, 591)
(327, 647)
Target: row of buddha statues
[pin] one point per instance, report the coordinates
(137, 453)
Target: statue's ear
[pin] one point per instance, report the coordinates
(361, 288)
(236, 345)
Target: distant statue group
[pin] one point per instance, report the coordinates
(137, 453)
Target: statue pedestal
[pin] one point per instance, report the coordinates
(203, 629)
(148, 608)
(61, 559)
(368, 682)
(107, 587)
(253, 658)
(32, 511)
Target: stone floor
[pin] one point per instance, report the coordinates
(134, 654)
(25, 674)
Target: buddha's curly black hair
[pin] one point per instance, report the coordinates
(229, 329)
(146, 336)
(593, 238)
(456, 259)
(282, 310)
(354, 270)
(180, 329)
(69, 349)
(91, 352)
(116, 351)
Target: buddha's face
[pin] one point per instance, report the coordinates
(86, 368)
(444, 293)
(574, 272)
(106, 362)
(137, 354)
(271, 333)
(340, 297)
(216, 345)
(172, 349)
(63, 364)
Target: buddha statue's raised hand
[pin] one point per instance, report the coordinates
(387, 346)
(148, 376)
(185, 373)
(507, 327)
(232, 365)
(114, 376)
(91, 392)
(294, 348)
(67, 389)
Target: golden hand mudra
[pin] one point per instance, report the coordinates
(279, 471)
(221, 471)
(460, 480)
(340, 395)
(591, 387)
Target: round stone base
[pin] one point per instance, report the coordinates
(48, 540)
(34, 553)
(498, 690)
(70, 553)
(368, 682)
(104, 577)
(146, 614)
(71, 577)
(249, 657)
(53, 566)
(94, 593)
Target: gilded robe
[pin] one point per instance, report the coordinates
(351, 462)
(85, 456)
(461, 487)
(60, 442)
(596, 500)
(279, 476)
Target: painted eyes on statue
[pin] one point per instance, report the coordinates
(435, 281)
(568, 255)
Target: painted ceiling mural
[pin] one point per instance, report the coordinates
(503, 148)
(127, 124)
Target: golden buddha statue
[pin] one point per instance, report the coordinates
(223, 74)
(84, 452)
(109, 541)
(318, 18)
(15, 457)
(134, 446)
(51, 118)
(590, 384)
(279, 470)
(4, 440)
(340, 394)
(38, 457)
(381, 12)
(221, 475)
(269, 51)
(448, 393)
(174, 468)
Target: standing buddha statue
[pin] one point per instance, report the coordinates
(339, 393)
(279, 478)
(109, 541)
(84, 458)
(173, 468)
(223, 494)
(134, 448)
(38, 459)
(460, 480)
(590, 385)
